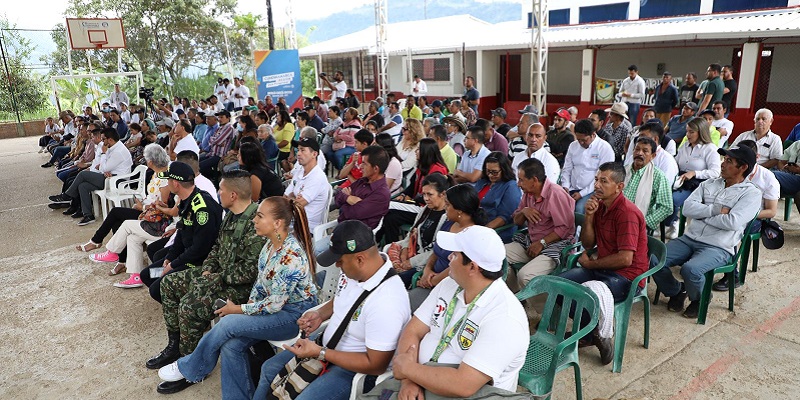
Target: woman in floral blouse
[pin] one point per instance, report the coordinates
(283, 291)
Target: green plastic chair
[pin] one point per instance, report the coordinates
(753, 240)
(705, 297)
(550, 350)
(418, 274)
(622, 310)
(787, 207)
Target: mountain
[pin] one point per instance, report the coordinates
(356, 19)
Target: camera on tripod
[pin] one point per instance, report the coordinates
(146, 94)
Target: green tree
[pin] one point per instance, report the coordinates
(21, 87)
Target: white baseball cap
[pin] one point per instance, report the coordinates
(481, 244)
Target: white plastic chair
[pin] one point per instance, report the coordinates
(119, 190)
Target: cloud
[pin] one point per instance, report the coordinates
(303, 10)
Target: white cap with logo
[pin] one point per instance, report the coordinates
(481, 244)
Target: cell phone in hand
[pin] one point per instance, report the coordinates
(791, 164)
(219, 303)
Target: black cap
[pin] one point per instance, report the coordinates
(317, 99)
(306, 108)
(201, 114)
(743, 154)
(771, 234)
(223, 112)
(307, 142)
(707, 111)
(500, 112)
(178, 171)
(349, 237)
(655, 121)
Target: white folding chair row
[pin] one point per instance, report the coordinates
(119, 191)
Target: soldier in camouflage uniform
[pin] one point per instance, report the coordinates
(227, 273)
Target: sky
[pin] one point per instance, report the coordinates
(49, 12)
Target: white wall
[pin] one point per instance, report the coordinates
(614, 63)
(489, 84)
(564, 73)
(784, 83)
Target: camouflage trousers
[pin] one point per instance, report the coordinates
(188, 303)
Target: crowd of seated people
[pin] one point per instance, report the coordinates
(433, 203)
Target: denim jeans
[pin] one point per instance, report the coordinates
(696, 259)
(633, 111)
(59, 153)
(617, 284)
(790, 183)
(230, 338)
(580, 204)
(678, 198)
(333, 385)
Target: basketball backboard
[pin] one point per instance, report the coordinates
(95, 33)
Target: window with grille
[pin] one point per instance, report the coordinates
(432, 69)
(344, 64)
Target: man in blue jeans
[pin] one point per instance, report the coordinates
(371, 336)
(720, 210)
(616, 226)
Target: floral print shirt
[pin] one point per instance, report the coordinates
(283, 278)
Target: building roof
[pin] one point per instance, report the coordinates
(476, 34)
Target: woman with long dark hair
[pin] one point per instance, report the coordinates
(463, 209)
(263, 180)
(394, 173)
(497, 188)
(282, 292)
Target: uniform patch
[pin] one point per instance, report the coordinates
(438, 310)
(357, 313)
(467, 335)
(202, 217)
(351, 245)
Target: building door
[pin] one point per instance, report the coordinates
(510, 77)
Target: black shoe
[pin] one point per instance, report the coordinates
(60, 198)
(722, 284)
(77, 214)
(169, 355)
(692, 310)
(173, 387)
(676, 302)
(87, 219)
(47, 165)
(606, 347)
(58, 206)
(70, 211)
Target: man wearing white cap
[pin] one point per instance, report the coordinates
(471, 319)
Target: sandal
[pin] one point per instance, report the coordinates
(88, 246)
(118, 269)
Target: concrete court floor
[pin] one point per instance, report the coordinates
(67, 333)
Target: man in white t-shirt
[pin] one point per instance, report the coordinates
(310, 188)
(181, 139)
(723, 125)
(470, 319)
(370, 339)
(240, 94)
(338, 86)
(394, 124)
(470, 168)
(536, 137)
(418, 87)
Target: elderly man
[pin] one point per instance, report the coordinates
(632, 90)
(367, 199)
(219, 143)
(516, 135)
(617, 129)
(560, 137)
(662, 159)
(535, 139)
(440, 331)
(617, 228)
(548, 212)
(584, 156)
(720, 209)
(646, 186)
(494, 141)
(770, 148)
(471, 167)
(455, 110)
(309, 187)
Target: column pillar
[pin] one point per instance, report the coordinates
(751, 53)
(587, 76)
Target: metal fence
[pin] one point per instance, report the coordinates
(24, 69)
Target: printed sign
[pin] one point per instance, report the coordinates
(278, 73)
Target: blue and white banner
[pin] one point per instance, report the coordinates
(278, 73)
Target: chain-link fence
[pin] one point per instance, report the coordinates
(24, 69)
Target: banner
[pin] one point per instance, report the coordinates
(278, 73)
(607, 90)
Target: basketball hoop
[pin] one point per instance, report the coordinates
(95, 33)
(98, 38)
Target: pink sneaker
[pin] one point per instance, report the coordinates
(133, 281)
(105, 256)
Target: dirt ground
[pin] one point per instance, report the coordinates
(68, 334)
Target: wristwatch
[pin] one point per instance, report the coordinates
(321, 355)
(543, 242)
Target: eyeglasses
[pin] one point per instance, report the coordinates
(493, 172)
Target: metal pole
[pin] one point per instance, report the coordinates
(69, 52)
(8, 77)
(270, 27)
(228, 50)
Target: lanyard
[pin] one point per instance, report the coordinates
(447, 336)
